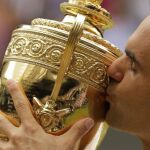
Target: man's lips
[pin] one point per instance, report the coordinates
(109, 94)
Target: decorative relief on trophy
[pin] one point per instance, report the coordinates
(52, 117)
(57, 63)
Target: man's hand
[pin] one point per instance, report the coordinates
(30, 135)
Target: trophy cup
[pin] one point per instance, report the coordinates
(62, 69)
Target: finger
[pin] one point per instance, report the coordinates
(20, 101)
(5, 126)
(79, 129)
(5, 145)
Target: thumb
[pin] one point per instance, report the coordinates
(80, 128)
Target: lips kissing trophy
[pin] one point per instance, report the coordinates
(62, 69)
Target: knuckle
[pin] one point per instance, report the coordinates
(15, 138)
(80, 129)
(20, 104)
(30, 128)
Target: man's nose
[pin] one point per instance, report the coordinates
(115, 71)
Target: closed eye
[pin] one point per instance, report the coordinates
(133, 60)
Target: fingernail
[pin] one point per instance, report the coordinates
(10, 82)
(89, 123)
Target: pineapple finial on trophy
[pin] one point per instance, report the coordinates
(95, 14)
(93, 2)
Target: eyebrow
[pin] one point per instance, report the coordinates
(132, 56)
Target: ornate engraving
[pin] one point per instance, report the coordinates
(54, 53)
(88, 68)
(79, 63)
(52, 115)
(37, 48)
(51, 23)
(86, 35)
(104, 43)
(98, 74)
(19, 45)
(94, 3)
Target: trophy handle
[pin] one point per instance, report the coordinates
(46, 114)
(66, 59)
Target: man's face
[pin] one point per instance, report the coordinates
(129, 90)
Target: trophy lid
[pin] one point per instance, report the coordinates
(96, 15)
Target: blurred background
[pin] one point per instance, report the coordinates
(127, 14)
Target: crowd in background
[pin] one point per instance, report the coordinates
(15, 12)
(127, 14)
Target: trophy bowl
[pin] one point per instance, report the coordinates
(62, 69)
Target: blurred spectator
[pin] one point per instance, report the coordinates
(124, 22)
(127, 14)
(140, 8)
(27, 10)
(15, 12)
(8, 21)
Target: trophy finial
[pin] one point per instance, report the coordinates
(92, 2)
(95, 14)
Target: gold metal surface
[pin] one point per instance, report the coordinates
(95, 14)
(62, 68)
(73, 38)
(40, 46)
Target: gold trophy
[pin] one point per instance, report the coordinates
(62, 69)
